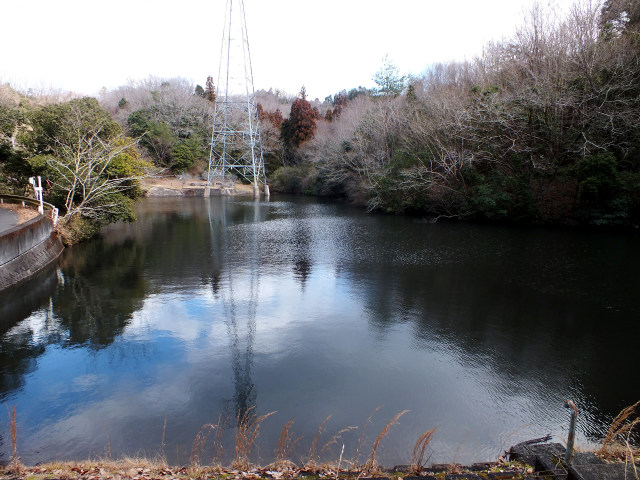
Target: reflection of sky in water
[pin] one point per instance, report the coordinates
(333, 312)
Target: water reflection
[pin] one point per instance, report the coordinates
(240, 322)
(203, 308)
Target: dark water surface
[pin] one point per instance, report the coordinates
(207, 307)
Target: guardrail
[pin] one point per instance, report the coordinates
(17, 199)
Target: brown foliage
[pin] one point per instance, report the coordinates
(301, 124)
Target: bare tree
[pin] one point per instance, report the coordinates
(93, 162)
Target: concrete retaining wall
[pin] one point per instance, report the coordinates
(23, 237)
(26, 249)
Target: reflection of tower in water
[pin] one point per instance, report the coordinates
(238, 288)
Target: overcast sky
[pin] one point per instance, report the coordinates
(326, 45)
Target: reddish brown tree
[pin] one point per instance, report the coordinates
(301, 124)
(210, 90)
(274, 118)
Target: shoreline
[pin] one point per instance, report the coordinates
(533, 459)
(189, 187)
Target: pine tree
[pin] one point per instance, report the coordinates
(210, 90)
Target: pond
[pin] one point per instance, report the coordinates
(206, 308)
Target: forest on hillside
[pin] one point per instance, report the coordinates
(543, 127)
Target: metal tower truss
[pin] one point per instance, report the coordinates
(236, 147)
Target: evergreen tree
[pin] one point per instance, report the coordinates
(301, 124)
(210, 90)
(390, 82)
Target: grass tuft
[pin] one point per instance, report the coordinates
(361, 438)
(285, 446)
(620, 429)
(247, 430)
(371, 464)
(218, 440)
(417, 457)
(199, 443)
(314, 445)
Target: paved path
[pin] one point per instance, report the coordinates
(8, 219)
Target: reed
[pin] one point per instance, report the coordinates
(199, 443)
(164, 431)
(13, 420)
(311, 462)
(631, 454)
(106, 431)
(334, 440)
(361, 438)
(286, 443)
(417, 457)
(218, 440)
(247, 430)
(620, 427)
(371, 464)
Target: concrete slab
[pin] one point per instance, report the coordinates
(611, 471)
(586, 458)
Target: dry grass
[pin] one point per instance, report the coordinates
(419, 449)
(334, 440)
(631, 455)
(247, 430)
(361, 438)
(164, 431)
(106, 431)
(217, 440)
(371, 464)
(16, 466)
(199, 443)
(311, 462)
(286, 443)
(620, 431)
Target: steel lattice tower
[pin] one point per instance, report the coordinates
(236, 147)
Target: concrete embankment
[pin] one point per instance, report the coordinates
(27, 248)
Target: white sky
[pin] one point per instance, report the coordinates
(326, 45)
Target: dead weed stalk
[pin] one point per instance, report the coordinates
(199, 442)
(163, 458)
(285, 447)
(16, 466)
(247, 430)
(311, 463)
(217, 440)
(371, 464)
(361, 438)
(417, 457)
(334, 440)
(620, 428)
(631, 454)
